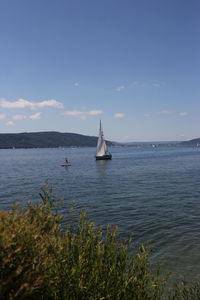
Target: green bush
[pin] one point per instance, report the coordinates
(38, 260)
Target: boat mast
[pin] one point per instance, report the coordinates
(100, 131)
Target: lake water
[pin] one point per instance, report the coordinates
(153, 194)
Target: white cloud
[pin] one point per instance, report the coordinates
(119, 115)
(120, 88)
(139, 84)
(166, 112)
(95, 112)
(23, 103)
(72, 113)
(135, 83)
(35, 116)
(19, 117)
(172, 112)
(82, 114)
(10, 123)
(183, 114)
(2, 116)
(158, 84)
(146, 115)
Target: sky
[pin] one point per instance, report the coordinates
(134, 64)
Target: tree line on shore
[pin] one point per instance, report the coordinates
(48, 139)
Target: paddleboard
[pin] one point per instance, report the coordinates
(65, 165)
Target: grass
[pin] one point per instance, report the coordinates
(40, 260)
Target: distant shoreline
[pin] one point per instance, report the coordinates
(53, 139)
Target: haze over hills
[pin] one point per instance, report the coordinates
(49, 139)
(195, 142)
(191, 142)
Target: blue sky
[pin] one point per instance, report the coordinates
(134, 64)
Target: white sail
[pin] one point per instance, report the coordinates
(101, 144)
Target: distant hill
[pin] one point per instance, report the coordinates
(191, 142)
(49, 139)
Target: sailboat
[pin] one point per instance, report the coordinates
(102, 149)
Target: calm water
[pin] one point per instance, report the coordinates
(153, 194)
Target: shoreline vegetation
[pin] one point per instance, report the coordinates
(47, 139)
(39, 259)
(53, 139)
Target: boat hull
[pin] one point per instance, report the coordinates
(104, 157)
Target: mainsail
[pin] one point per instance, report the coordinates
(101, 144)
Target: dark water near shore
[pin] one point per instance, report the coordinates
(153, 194)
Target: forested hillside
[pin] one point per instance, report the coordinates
(46, 140)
